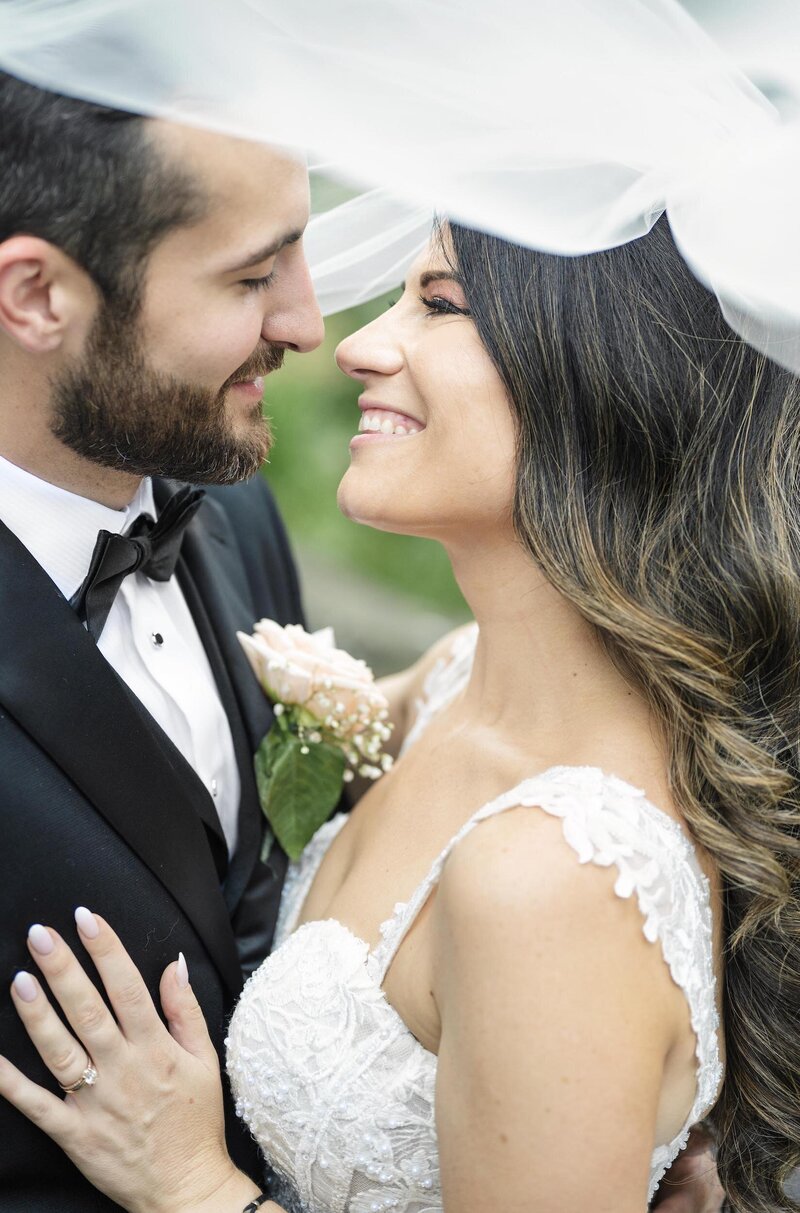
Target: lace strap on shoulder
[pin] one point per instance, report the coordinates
(608, 822)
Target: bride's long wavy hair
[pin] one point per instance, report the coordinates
(658, 488)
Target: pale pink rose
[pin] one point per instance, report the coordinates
(296, 667)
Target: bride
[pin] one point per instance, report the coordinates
(564, 928)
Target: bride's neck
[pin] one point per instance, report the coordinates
(539, 666)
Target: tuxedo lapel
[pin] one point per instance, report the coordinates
(249, 816)
(214, 584)
(60, 689)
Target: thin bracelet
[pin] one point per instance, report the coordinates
(256, 1204)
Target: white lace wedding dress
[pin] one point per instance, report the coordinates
(338, 1093)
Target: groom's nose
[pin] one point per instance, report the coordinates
(292, 316)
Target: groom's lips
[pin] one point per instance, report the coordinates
(253, 388)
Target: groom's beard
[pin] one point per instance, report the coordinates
(113, 409)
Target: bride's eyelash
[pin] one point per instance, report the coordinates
(442, 307)
(259, 284)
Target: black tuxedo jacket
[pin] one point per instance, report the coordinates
(97, 807)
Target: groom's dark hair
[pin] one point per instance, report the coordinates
(90, 180)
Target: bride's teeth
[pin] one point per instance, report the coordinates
(377, 423)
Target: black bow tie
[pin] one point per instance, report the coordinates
(147, 546)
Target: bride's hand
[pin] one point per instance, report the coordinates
(150, 1131)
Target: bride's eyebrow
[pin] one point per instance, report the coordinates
(435, 276)
(439, 276)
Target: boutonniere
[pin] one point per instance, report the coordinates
(331, 721)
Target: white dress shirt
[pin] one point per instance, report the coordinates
(150, 638)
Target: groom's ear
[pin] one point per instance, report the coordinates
(47, 302)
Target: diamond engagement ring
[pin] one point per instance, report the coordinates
(87, 1079)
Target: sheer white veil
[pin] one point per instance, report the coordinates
(565, 125)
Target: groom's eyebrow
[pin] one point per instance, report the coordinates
(264, 254)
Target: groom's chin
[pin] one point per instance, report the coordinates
(236, 458)
(251, 436)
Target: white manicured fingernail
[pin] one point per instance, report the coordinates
(86, 923)
(41, 940)
(182, 972)
(25, 986)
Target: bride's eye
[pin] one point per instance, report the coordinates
(437, 306)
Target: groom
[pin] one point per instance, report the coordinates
(150, 276)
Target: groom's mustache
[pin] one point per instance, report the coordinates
(263, 361)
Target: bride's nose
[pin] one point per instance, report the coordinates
(370, 350)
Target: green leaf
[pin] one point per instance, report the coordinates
(297, 791)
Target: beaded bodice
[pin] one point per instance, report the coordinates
(337, 1091)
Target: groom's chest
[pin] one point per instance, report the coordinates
(79, 747)
(151, 641)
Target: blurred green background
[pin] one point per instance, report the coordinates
(387, 596)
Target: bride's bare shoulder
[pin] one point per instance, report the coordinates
(516, 910)
(555, 1012)
(517, 864)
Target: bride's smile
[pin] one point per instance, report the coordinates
(378, 421)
